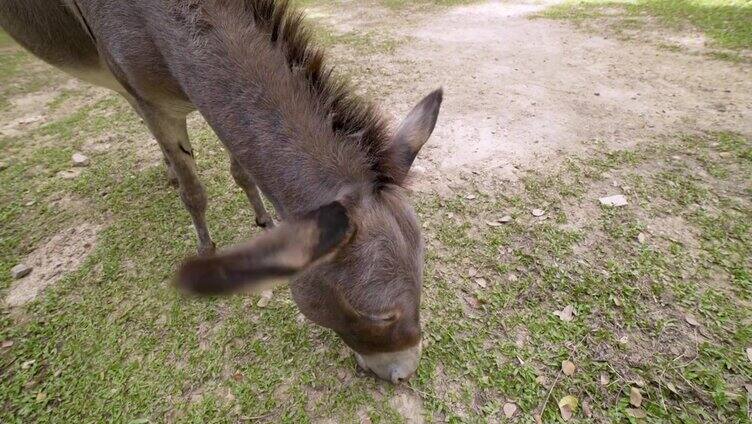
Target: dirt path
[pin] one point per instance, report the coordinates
(521, 91)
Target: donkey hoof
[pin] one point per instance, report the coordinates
(207, 250)
(266, 222)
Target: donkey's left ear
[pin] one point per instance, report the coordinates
(413, 133)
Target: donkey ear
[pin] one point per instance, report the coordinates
(279, 253)
(413, 133)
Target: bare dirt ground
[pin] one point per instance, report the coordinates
(521, 92)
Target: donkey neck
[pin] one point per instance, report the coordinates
(267, 113)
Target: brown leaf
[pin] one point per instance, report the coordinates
(586, 409)
(266, 297)
(605, 379)
(691, 321)
(635, 397)
(672, 388)
(636, 413)
(509, 409)
(567, 407)
(238, 376)
(566, 314)
(567, 367)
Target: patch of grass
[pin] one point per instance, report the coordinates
(726, 22)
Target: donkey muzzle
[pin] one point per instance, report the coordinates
(391, 366)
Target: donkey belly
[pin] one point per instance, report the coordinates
(51, 31)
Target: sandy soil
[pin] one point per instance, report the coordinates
(521, 92)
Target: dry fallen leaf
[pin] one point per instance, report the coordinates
(471, 197)
(635, 397)
(481, 282)
(505, 219)
(566, 314)
(636, 413)
(266, 297)
(586, 409)
(605, 379)
(691, 321)
(494, 223)
(8, 343)
(567, 407)
(509, 409)
(672, 388)
(567, 367)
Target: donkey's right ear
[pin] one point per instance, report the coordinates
(277, 254)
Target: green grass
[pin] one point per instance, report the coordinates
(113, 342)
(726, 22)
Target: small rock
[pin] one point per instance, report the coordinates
(471, 197)
(512, 278)
(417, 169)
(266, 297)
(472, 272)
(6, 344)
(641, 238)
(616, 200)
(481, 282)
(20, 271)
(509, 409)
(505, 219)
(80, 160)
(538, 212)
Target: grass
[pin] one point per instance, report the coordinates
(112, 342)
(725, 22)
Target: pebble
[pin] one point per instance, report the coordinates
(20, 271)
(615, 200)
(80, 159)
(538, 212)
(505, 219)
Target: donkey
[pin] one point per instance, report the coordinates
(349, 242)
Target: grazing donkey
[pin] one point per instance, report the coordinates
(349, 241)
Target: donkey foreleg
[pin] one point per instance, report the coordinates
(172, 135)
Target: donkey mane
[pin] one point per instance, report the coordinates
(351, 116)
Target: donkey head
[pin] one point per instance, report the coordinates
(354, 264)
